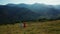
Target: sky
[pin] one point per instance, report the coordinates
(49, 2)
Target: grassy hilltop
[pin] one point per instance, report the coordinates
(48, 27)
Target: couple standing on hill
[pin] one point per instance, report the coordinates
(23, 24)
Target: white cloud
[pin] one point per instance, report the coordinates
(53, 2)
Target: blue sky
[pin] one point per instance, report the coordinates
(50, 2)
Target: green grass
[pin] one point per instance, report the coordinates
(48, 27)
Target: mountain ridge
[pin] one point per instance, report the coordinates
(24, 12)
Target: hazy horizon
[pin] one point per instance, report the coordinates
(48, 2)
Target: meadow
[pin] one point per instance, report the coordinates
(48, 27)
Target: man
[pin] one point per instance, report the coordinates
(24, 24)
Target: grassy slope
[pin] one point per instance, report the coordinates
(49, 27)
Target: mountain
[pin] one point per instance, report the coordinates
(15, 14)
(25, 12)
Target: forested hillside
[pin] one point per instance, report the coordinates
(13, 13)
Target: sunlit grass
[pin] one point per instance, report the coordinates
(48, 27)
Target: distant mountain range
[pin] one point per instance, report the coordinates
(25, 12)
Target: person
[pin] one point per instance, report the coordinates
(24, 24)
